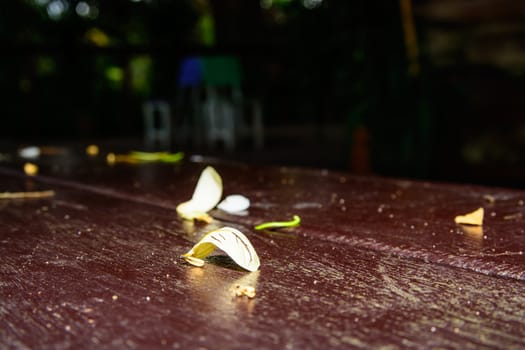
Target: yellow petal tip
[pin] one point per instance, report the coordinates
(193, 260)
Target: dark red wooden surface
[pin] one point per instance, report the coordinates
(376, 262)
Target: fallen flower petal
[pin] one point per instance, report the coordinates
(231, 241)
(474, 218)
(234, 203)
(207, 194)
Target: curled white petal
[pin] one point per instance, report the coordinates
(234, 204)
(208, 191)
(231, 241)
(207, 194)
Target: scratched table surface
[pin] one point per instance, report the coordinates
(375, 263)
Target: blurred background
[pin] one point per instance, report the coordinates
(425, 89)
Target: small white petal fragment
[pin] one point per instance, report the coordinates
(231, 241)
(234, 203)
(207, 194)
(475, 218)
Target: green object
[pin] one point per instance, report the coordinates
(206, 26)
(157, 156)
(115, 73)
(279, 224)
(221, 71)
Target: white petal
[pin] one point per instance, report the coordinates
(231, 241)
(234, 203)
(208, 191)
(207, 194)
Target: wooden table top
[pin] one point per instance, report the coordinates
(376, 262)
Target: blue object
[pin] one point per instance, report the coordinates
(191, 72)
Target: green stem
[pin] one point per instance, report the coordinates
(278, 224)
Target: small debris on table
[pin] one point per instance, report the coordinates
(514, 216)
(489, 198)
(240, 291)
(474, 218)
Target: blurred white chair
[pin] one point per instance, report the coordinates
(219, 121)
(157, 124)
(210, 107)
(254, 126)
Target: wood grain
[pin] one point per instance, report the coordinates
(98, 265)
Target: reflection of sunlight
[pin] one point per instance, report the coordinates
(475, 234)
(193, 274)
(249, 279)
(195, 232)
(473, 231)
(189, 227)
(214, 290)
